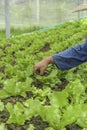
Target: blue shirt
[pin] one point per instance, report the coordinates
(71, 57)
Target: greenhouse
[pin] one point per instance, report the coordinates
(43, 65)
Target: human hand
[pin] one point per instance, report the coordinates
(41, 66)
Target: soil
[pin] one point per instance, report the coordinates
(73, 127)
(39, 124)
(47, 102)
(14, 99)
(61, 86)
(13, 63)
(22, 49)
(29, 44)
(45, 48)
(75, 71)
(37, 84)
(6, 46)
(37, 121)
(1, 85)
(13, 54)
(2, 69)
(4, 115)
(85, 101)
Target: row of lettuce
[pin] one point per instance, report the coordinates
(17, 58)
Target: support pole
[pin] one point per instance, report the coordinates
(78, 3)
(38, 11)
(7, 18)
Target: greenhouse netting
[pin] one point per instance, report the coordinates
(24, 13)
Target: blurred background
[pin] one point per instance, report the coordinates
(25, 13)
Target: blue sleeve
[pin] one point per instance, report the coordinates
(71, 57)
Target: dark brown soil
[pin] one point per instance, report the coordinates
(13, 62)
(13, 127)
(22, 49)
(29, 44)
(85, 101)
(37, 121)
(4, 115)
(29, 94)
(69, 100)
(47, 102)
(14, 99)
(73, 127)
(75, 71)
(37, 84)
(6, 46)
(13, 53)
(45, 48)
(1, 85)
(86, 90)
(2, 69)
(61, 86)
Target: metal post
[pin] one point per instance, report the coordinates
(38, 11)
(7, 18)
(78, 3)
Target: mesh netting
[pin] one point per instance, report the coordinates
(24, 13)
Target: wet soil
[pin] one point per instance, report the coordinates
(22, 49)
(85, 101)
(45, 48)
(14, 99)
(2, 69)
(1, 85)
(6, 46)
(13, 54)
(75, 71)
(4, 115)
(47, 102)
(61, 86)
(37, 121)
(37, 84)
(13, 62)
(73, 127)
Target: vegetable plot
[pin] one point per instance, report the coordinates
(55, 101)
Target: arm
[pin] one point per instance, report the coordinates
(71, 57)
(65, 60)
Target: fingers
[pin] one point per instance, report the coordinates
(42, 70)
(39, 70)
(36, 70)
(40, 67)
